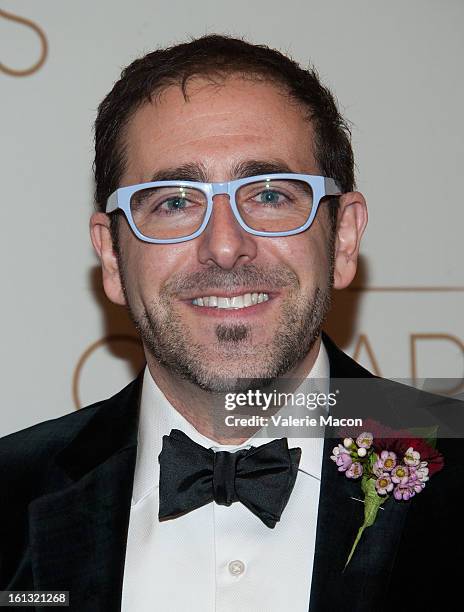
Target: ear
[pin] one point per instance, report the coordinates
(351, 222)
(103, 244)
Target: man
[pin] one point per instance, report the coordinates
(226, 215)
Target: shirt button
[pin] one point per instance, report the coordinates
(236, 568)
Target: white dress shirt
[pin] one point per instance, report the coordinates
(217, 558)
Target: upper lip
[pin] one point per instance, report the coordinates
(228, 293)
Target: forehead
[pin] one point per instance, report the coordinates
(218, 126)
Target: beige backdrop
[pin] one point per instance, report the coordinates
(396, 69)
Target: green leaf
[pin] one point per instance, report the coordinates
(370, 463)
(429, 434)
(372, 503)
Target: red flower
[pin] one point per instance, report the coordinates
(398, 441)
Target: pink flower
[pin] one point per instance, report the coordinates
(337, 450)
(355, 470)
(365, 439)
(383, 484)
(342, 458)
(412, 457)
(344, 461)
(423, 472)
(401, 492)
(415, 481)
(388, 459)
(400, 475)
(411, 484)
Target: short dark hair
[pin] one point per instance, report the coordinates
(216, 56)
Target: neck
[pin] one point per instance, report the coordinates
(206, 410)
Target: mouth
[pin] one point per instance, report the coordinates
(235, 302)
(241, 304)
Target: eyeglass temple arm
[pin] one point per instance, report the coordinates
(331, 187)
(112, 202)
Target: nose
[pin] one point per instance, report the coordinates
(224, 242)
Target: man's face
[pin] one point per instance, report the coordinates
(223, 132)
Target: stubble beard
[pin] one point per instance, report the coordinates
(235, 362)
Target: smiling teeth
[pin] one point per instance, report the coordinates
(238, 301)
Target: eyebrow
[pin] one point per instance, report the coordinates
(255, 167)
(198, 172)
(185, 172)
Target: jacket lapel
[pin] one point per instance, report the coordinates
(78, 533)
(340, 515)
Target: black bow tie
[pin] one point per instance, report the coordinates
(191, 476)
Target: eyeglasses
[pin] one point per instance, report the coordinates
(168, 212)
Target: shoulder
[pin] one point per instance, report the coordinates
(30, 449)
(399, 401)
(50, 457)
(46, 437)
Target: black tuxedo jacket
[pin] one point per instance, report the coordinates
(66, 489)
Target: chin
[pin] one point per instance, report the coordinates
(232, 376)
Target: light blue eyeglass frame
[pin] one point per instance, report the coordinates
(321, 186)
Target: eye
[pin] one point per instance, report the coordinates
(173, 204)
(270, 196)
(185, 202)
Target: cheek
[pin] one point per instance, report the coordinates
(149, 266)
(306, 254)
(140, 272)
(317, 254)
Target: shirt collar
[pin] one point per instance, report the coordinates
(158, 417)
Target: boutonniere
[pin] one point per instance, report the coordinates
(394, 466)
